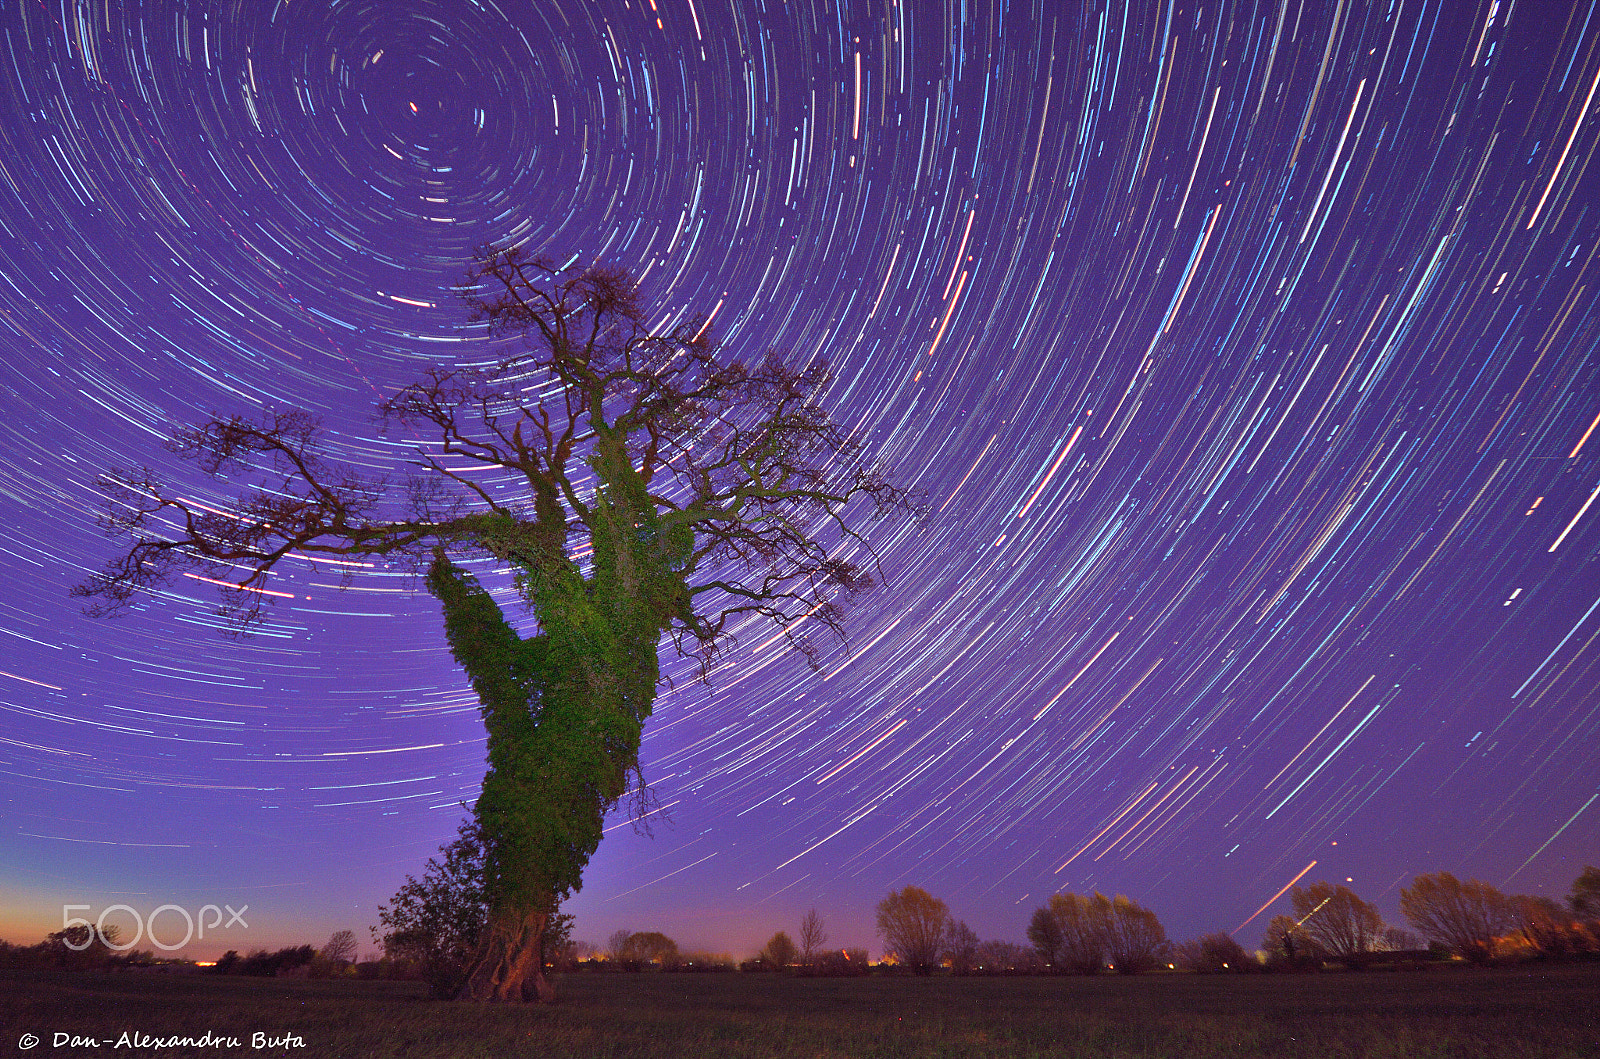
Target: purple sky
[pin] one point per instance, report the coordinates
(1246, 353)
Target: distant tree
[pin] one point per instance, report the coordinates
(638, 485)
(1399, 939)
(705, 962)
(651, 946)
(1286, 945)
(264, 964)
(813, 936)
(341, 947)
(913, 924)
(1137, 942)
(961, 948)
(1044, 932)
(1086, 930)
(617, 944)
(1584, 900)
(81, 947)
(1215, 953)
(780, 951)
(1464, 917)
(1005, 957)
(578, 950)
(1341, 924)
(1547, 926)
(555, 946)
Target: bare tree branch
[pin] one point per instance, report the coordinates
(656, 488)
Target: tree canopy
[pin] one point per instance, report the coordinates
(1584, 900)
(914, 925)
(1337, 922)
(634, 482)
(780, 951)
(1465, 917)
(1083, 933)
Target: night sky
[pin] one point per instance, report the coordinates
(1246, 354)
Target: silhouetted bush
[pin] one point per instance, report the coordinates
(1008, 957)
(371, 970)
(703, 963)
(838, 963)
(1215, 953)
(264, 964)
(1288, 949)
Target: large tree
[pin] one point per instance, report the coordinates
(914, 925)
(961, 947)
(639, 485)
(780, 952)
(1337, 922)
(813, 936)
(1076, 932)
(1086, 928)
(1136, 941)
(1045, 932)
(1465, 917)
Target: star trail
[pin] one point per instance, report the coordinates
(1247, 355)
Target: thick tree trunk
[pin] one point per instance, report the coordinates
(509, 965)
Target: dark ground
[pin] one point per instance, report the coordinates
(1517, 1013)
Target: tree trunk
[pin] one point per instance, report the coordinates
(509, 965)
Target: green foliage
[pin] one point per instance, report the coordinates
(647, 453)
(434, 922)
(557, 759)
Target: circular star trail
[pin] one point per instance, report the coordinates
(1245, 354)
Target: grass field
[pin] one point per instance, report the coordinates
(1455, 1012)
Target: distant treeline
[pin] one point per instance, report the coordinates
(1450, 920)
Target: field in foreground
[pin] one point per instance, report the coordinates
(1455, 1012)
